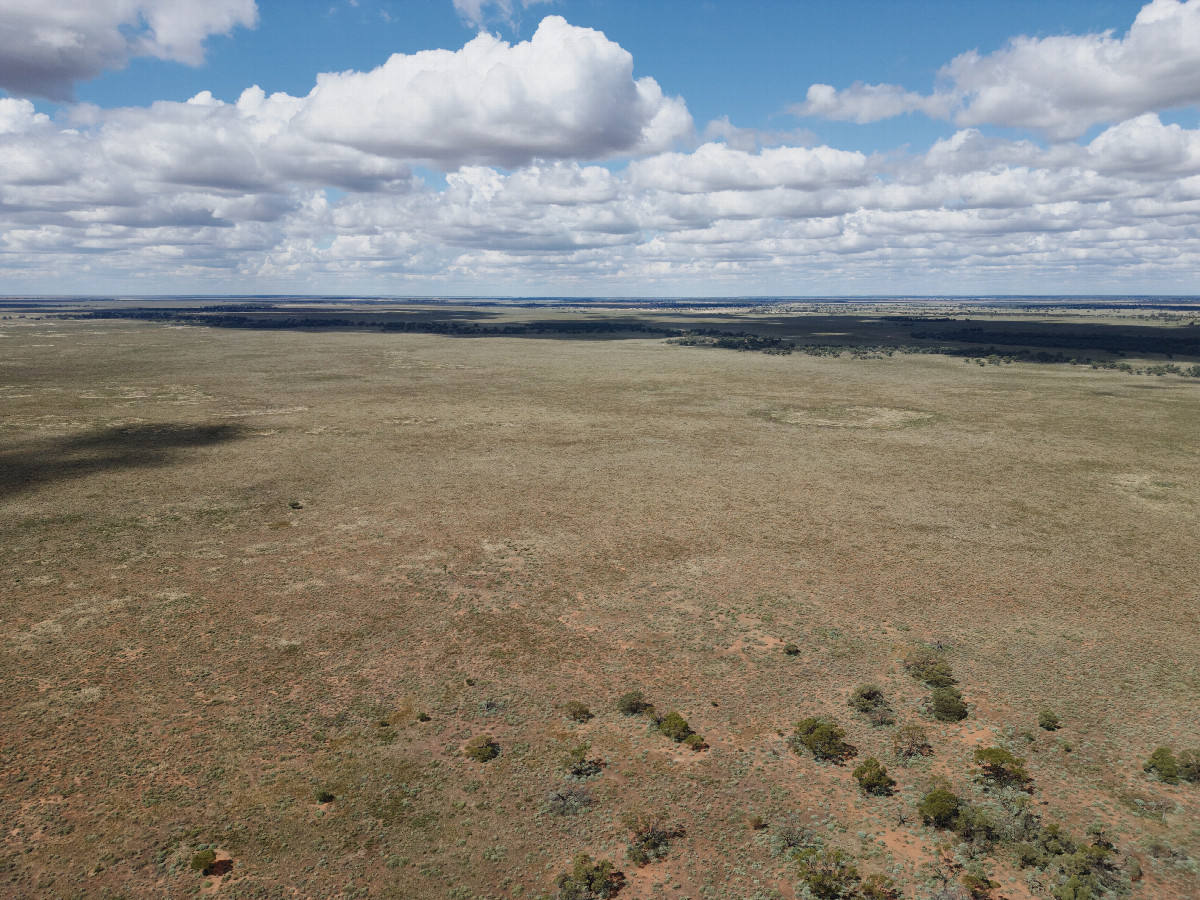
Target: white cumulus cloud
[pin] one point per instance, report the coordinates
(46, 46)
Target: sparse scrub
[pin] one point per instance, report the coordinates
(1048, 721)
(1162, 762)
(823, 738)
(589, 880)
(577, 712)
(946, 704)
(675, 726)
(568, 801)
(324, 796)
(1189, 766)
(482, 748)
(910, 741)
(650, 837)
(873, 778)
(999, 768)
(633, 703)
(579, 766)
(927, 665)
(869, 700)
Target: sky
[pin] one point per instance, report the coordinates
(599, 147)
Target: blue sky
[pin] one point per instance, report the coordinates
(599, 147)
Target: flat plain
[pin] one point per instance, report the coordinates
(262, 585)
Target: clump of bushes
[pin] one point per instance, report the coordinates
(927, 665)
(946, 704)
(873, 778)
(481, 748)
(828, 874)
(578, 712)
(578, 765)
(324, 796)
(675, 726)
(910, 741)
(790, 649)
(1172, 769)
(589, 880)
(650, 836)
(999, 768)
(939, 808)
(568, 801)
(633, 703)
(823, 738)
(202, 861)
(868, 699)
(1048, 721)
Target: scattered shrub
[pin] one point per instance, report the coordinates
(998, 767)
(868, 699)
(675, 726)
(1189, 765)
(422, 717)
(633, 703)
(791, 649)
(879, 887)
(873, 778)
(482, 748)
(823, 738)
(650, 837)
(939, 808)
(828, 874)
(789, 837)
(203, 861)
(1048, 720)
(589, 880)
(1162, 763)
(946, 704)
(323, 796)
(694, 742)
(577, 711)
(910, 741)
(979, 887)
(568, 801)
(578, 765)
(927, 665)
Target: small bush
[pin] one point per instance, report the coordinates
(879, 887)
(827, 874)
(675, 726)
(790, 837)
(323, 796)
(926, 664)
(650, 837)
(1162, 763)
(578, 765)
(588, 880)
(578, 712)
(824, 739)
(998, 767)
(1189, 765)
(694, 743)
(568, 801)
(873, 778)
(423, 717)
(1048, 720)
(910, 741)
(939, 808)
(482, 748)
(203, 861)
(633, 703)
(946, 704)
(868, 699)
(979, 887)
(790, 649)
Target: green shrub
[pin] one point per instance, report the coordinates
(998, 767)
(873, 778)
(823, 738)
(578, 765)
(675, 726)
(1189, 765)
(1162, 763)
(650, 837)
(633, 703)
(946, 704)
(482, 748)
(910, 741)
(422, 717)
(694, 742)
(939, 808)
(791, 649)
(1048, 720)
(588, 880)
(323, 796)
(979, 887)
(827, 874)
(868, 699)
(927, 665)
(203, 861)
(577, 711)
(879, 887)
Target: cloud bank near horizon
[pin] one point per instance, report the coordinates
(563, 172)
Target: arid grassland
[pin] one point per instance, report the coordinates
(262, 587)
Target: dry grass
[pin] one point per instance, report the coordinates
(492, 527)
